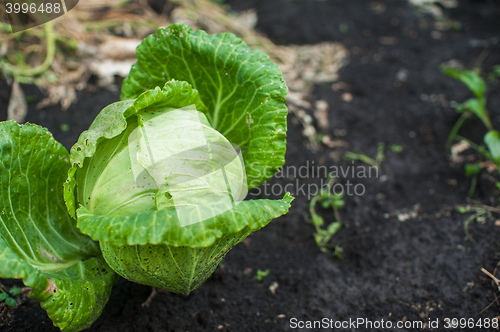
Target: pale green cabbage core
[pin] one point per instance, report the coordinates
(166, 159)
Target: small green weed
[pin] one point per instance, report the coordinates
(343, 28)
(495, 73)
(396, 148)
(480, 214)
(260, 275)
(360, 156)
(474, 107)
(322, 236)
(9, 296)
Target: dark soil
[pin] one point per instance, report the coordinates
(414, 270)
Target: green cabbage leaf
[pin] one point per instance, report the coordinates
(39, 241)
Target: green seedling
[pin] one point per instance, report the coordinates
(396, 148)
(446, 23)
(360, 156)
(472, 171)
(480, 213)
(9, 296)
(65, 127)
(30, 99)
(475, 106)
(495, 73)
(323, 235)
(471, 108)
(319, 137)
(261, 274)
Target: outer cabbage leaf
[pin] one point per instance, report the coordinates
(243, 90)
(73, 297)
(39, 241)
(163, 227)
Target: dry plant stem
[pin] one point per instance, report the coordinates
(28, 72)
(481, 57)
(2, 286)
(495, 279)
(479, 149)
(488, 306)
(309, 130)
(496, 297)
(150, 298)
(18, 107)
(4, 289)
